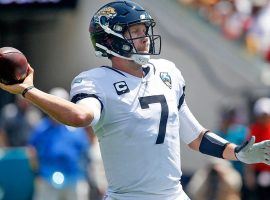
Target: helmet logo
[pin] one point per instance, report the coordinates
(166, 78)
(108, 12)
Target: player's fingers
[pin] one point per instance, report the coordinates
(30, 76)
(266, 150)
(263, 145)
(250, 144)
(267, 143)
(267, 161)
(3, 86)
(9, 88)
(30, 68)
(266, 156)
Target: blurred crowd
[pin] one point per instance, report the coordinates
(41, 159)
(224, 180)
(244, 21)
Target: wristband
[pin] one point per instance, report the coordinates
(213, 145)
(26, 90)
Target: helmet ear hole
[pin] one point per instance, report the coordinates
(121, 47)
(118, 28)
(126, 47)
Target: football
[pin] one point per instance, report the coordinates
(13, 66)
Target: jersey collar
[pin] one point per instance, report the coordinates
(148, 70)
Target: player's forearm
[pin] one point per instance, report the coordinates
(211, 144)
(61, 110)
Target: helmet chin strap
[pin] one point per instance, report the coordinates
(140, 59)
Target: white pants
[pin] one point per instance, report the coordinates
(45, 191)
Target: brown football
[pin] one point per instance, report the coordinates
(13, 66)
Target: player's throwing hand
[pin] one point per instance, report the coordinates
(19, 88)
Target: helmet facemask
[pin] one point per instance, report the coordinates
(154, 43)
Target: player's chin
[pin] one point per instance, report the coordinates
(145, 51)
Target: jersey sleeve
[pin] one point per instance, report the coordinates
(86, 85)
(190, 128)
(180, 86)
(94, 105)
(86, 90)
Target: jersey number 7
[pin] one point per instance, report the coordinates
(145, 101)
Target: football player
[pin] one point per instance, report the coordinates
(136, 107)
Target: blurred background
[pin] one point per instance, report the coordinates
(222, 48)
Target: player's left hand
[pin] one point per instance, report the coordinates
(251, 152)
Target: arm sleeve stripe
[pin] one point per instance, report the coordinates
(182, 98)
(81, 96)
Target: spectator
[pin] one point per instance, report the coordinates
(261, 130)
(16, 122)
(258, 36)
(217, 181)
(233, 129)
(242, 20)
(267, 55)
(62, 159)
(237, 22)
(98, 182)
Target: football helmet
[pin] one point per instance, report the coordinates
(109, 24)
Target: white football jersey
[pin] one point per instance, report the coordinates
(138, 130)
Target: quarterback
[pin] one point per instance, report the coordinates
(136, 107)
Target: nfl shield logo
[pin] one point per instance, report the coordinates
(166, 78)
